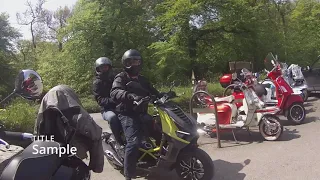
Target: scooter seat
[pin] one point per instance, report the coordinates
(32, 165)
(228, 99)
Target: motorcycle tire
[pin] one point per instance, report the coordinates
(263, 131)
(187, 160)
(290, 111)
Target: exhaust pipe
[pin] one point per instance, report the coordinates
(111, 154)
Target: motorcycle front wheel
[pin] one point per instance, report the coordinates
(270, 127)
(194, 165)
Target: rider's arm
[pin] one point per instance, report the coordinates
(97, 91)
(118, 92)
(151, 89)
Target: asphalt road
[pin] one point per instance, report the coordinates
(294, 157)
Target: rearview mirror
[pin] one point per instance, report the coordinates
(28, 84)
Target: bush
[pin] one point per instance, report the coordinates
(19, 115)
(90, 104)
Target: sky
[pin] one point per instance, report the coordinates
(11, 7)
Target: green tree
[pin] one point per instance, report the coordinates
(7, 35)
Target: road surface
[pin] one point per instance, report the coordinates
(294, 157)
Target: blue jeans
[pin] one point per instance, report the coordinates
(132, 129)
(115, 124)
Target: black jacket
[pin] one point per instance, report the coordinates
(119, 92)
(101, 91)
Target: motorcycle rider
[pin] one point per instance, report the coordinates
(131, 119)
(101, 90)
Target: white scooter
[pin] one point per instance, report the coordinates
(253, 113)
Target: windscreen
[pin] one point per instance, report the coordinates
(268, 61)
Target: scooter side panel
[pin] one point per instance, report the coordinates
(292, 99)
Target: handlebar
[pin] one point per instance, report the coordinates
(14, 136)
(145, 99)
(154, 100)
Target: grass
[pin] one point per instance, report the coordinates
(20, 114)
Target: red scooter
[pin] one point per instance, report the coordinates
(291, 104)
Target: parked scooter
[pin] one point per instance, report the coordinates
(178, 148)
(294, 77)
(252, 113)
(290, 103)
(38, 166)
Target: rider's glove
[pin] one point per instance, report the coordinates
(133, 97)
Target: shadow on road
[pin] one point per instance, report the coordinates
(288, 134)
(227, 139)
(316, 96)
(223, 171)
(308, 119)
(311, 119)
(244, 138)
(308, 104)
(310, 110)
(227, 170)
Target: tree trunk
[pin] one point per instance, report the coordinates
(32, 35)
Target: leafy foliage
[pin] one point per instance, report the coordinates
(19, 116)
(175, 38)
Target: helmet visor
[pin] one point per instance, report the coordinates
(135, 61)
(104, 68)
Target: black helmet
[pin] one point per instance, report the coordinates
(101, 62)
(132, 61)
